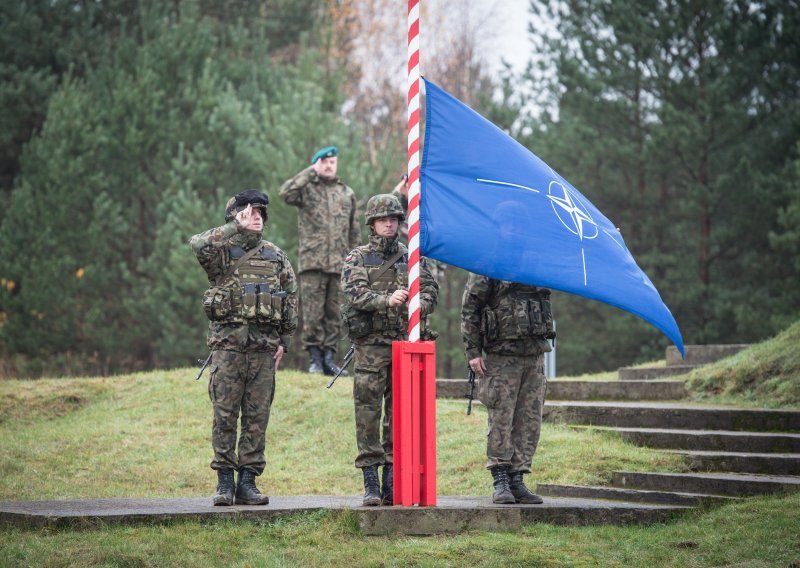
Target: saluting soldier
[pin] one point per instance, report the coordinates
(327, 229)
(374, 282)
(251, 303)
(505, 327)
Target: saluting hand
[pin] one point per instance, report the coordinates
(250, 220)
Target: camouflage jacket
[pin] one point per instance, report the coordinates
(482, 292)
(212, 249)
(371, 298)
(327, 222)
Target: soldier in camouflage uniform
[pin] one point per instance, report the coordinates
(510, 323)
(328, 228)
(251, 303)
(376, 313)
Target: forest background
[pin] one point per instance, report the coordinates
(126, 124)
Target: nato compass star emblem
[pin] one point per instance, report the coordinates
(574, 215)
(571, 210)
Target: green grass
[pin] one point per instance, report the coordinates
(766, 374)
(147, 435)
(753, 533)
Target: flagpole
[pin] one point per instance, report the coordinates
(413, 171)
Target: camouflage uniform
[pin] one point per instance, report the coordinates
(509, 322)
(367, 306)
(244, 333)
(327, 229)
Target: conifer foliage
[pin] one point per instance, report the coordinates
(139, 151)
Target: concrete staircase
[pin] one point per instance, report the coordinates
(731, 452)
(696, 356)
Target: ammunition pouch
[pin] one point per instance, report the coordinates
(217, 303)
(255, 304)
(358, 322)
(361, 323)
(519, 318)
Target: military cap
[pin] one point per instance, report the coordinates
(327, 152)
(257, 199)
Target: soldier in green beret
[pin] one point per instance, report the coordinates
(327, 229)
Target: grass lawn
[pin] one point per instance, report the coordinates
(147, 435)
(753, 533)
(766, 374)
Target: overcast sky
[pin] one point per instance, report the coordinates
(511, 40)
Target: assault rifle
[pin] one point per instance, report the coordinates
(348, 357)
(204, 365)
(471, 392)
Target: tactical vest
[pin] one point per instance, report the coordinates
(518, 312)
(361, 323)
(252, 294)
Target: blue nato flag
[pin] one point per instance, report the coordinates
(492, 207)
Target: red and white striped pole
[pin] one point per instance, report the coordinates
(413, 171)
(414, 361)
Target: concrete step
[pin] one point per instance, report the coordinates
(630, 495)
(672, 415)
(708, 440)
(734, 484)
(615, 390)
(559, 389)
(702, 354)
(450, 516)
(652, 373)
(459, 514)
(743, 462)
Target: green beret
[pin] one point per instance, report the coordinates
(327, 152)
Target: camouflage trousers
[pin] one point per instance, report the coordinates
(241, 383)
(372, 391)
(513, 391)
(320, 297)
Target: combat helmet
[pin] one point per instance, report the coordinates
(383, 205)
(257, 199)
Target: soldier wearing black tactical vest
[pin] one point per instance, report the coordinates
(511, 324)
(374, 280)
(251, 303)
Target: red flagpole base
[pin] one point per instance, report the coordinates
(414, 422)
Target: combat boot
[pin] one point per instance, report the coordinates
(372, 489)
(329, 364)
(315, 360)
(502, 493)
(387, 485)
(521, 493)
(225, 487)
(246, 491)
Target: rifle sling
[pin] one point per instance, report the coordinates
(240, 262)
(385, 266)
